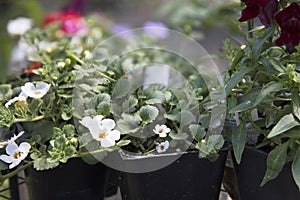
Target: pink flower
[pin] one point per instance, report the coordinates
(70, 22)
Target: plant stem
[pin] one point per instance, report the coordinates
(72, 55)
(32, 120)
(95, 152)
(6, 176)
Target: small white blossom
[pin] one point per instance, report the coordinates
(161, 130)
(102, 130)
(15, 153)
(35, 91)
(61, 64)
(162, 147)
(19, 25)
(12, 139)
(21, 97)
(88, 55)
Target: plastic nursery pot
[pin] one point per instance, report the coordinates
(187, 178)
(251, 172)
(74, 180)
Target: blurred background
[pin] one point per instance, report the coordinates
(207, 21)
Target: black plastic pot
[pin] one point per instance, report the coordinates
(251, 172)
(74, 180)
(188, 178)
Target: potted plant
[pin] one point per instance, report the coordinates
(262, 87)
(166, 111)
(36, 114)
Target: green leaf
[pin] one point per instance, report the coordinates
(258, 44)
(249, 104)
(275, 162)
(296, 168)
(197, 131)
(246, 105)
(44, 163)
(237, 58)
(148, 113)
(237, 78)
(186, 118)
(43, 129)
(238, 139)
(123, 143)
(271, 87)
(217, 141)
(178, 135)
(287, 122)
(121, 89)
(296, 103)
(103, 108)
(129, 123)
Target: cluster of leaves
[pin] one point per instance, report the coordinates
(263, 88)
(48, 122)
(117, 91)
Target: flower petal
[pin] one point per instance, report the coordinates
(106, 142)
(11, 148)
(86, 121)
(6, 158)
(250, 12)
(15, 163)
(42, 87)
(24, 147)
(114, 135)
(108, 124)
(28, 89)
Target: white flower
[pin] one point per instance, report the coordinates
(37, 91)
(162, 147)
(12, 139)
(19, 25)
(161, 130)
(15, 153)
(47, 46)
(61, 64)
(21, 97)
(102, 130)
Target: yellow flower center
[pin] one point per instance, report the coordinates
(17, 155)
(102, 134)
(21, 104)
(36, 92)
(160, 131)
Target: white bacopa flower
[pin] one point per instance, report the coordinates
(162, 147)
(15, 153)
(21, 97)
(12, 139)
(19, 25)
(102, 130)
(161, 130)
(35, 91)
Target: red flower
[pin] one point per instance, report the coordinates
(32, 67)
(289, 21)
(263, 9)
(71, 22)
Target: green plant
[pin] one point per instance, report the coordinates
(263, 85)
(79, 100)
